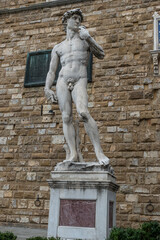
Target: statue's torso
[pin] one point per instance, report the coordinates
(74, 59)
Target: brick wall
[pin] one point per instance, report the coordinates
(124, 99)
(12, 4)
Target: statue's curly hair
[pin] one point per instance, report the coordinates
(70, 13)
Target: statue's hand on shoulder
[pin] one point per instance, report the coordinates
(50, 95)
(83, 33)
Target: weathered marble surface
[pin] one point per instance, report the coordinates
(72, 81)
(83, 166)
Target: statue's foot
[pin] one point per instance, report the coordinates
(72, 158)
(103, 160)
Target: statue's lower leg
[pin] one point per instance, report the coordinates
(92, 131)
(69, 134)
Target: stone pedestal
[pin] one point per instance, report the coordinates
(82, 202)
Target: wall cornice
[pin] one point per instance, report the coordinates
(41, 6)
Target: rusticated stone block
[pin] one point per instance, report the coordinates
(134, 218)
(3, 140)
(58, 139)
(155, 190)
(3, 218)
(151, 154)
(11, 176)
(120, 197)
(29, 195)
(23, 203)
(39, 155)
(142, 190)
(138, 208)
(35, 220)
(126, 189)
(31, 176)
(132, 178)
(151, 178)
(18, 195)
(8, 155)
(149, 95)
(125, 208)
(144, 198)
(136, 95)
(44, 220)
(21, 176)
(132, 198)
(13, 219)
(24, 219)
(8, 194)
(4, 203)
(128, 137)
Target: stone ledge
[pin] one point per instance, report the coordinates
(97, 176)
(99, 179)
(41, 6)
(83, 185)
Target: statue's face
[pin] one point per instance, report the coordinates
(74, 22)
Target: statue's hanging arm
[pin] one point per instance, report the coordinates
(50, 95)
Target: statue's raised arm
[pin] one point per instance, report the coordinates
(95, 48)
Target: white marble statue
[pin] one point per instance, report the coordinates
(73, 53)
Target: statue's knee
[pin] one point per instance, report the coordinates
(84, 116)
(66, 118)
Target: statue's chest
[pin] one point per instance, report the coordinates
(73, 46)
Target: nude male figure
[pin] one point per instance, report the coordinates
(73, 54)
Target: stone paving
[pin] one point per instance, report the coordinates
(24, 233)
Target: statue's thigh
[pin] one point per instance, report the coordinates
(80, 97)
(64, 98)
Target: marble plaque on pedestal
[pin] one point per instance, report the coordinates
(77, 213)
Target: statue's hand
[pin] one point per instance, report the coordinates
(83, 33)
(50, 95)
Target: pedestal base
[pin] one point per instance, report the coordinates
(82, 204)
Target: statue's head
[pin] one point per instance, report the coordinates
(69, 14)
